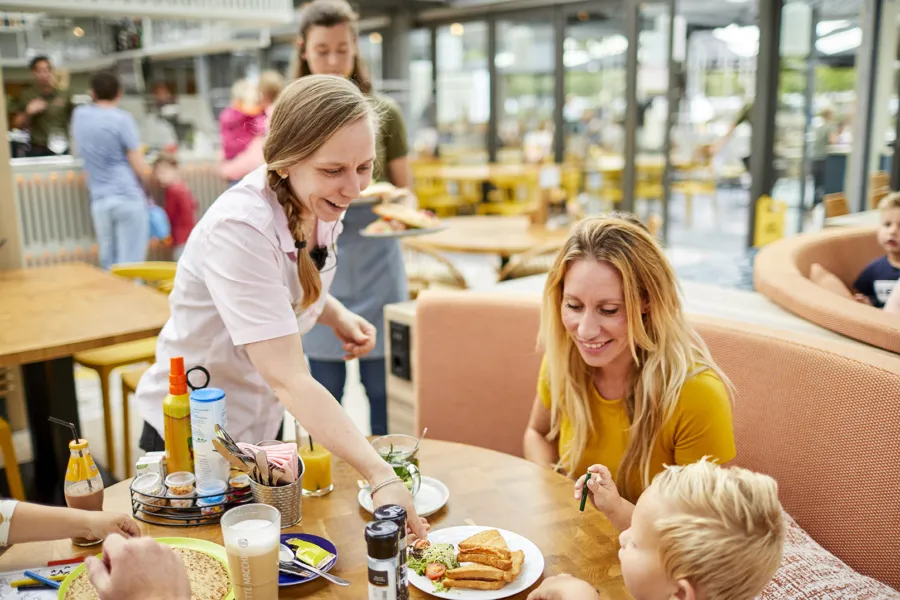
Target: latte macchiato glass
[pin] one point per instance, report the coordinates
(252, 534)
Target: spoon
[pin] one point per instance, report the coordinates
(422, 437)
(235, 461)
(286, 555)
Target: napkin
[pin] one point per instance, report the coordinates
(283, 456)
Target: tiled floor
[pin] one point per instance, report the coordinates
(712, 250)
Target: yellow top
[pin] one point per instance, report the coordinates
(700, 426)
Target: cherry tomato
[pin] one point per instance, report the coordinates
(435, 571)
(421, 545)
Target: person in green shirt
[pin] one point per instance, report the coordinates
(43, 109)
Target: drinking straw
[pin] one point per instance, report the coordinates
(311, 449)
(75, 433)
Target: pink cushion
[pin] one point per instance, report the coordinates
(809, 571)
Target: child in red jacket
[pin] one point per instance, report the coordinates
(179, 205)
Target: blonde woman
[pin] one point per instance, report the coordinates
(625, 382)
(255, 277)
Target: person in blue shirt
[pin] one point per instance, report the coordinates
(876, 282)
(106, 138)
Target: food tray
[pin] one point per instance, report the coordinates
(144, 510)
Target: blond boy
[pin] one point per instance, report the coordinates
(699, 532)
(876, 282)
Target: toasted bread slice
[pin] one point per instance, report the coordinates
(518, 559)
(412, 218)
(474, 585)
(486, 559)
(478, 572)
(486, 542)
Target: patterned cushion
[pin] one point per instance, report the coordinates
(809, 571)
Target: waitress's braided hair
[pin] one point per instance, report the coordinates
(307, 114)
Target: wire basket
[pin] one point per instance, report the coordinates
(158, 510)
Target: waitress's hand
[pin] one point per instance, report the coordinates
(396, 493)
(356, 334)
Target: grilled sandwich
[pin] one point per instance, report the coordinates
(476, 572)
(474, 585)
(488, 542)
(486, 559)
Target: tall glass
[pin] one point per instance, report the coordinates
(252, 534)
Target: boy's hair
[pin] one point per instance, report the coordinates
(725, 533)
(889, 202)
(166, 158)
(105, 86)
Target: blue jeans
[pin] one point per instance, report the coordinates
(333, 375)
(122, 225)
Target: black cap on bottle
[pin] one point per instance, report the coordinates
(394, 513)
(383, 540)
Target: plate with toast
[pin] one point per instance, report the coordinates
(482, 563)
(400, 220)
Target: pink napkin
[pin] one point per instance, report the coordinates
(283, 456)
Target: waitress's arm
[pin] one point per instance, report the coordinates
(281, 363)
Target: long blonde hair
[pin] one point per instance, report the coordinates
(307, 114)
(665, 349)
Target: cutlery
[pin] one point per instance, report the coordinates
(286, 555)
(262, 463)
(54, 584)
(235, 461)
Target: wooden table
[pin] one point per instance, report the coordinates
(503, 236)
(46, 315)
(486, 488)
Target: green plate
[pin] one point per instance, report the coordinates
(210, 548)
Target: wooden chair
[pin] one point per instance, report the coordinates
(536, 261)
(428, 269)
(835, 205)
(105, 360)
(876, 195)
(7, 448)
(130, 380)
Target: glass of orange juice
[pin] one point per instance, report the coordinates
(317, 466)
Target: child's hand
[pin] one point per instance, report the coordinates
(564, 587)
(862, 299)
(102, 524)
(603, 490)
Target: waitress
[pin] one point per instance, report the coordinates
(255, 277)
(371, 274)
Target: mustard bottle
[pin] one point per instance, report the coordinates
(177, 420)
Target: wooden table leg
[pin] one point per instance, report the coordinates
(50, 392)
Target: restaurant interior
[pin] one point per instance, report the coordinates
(749, 143)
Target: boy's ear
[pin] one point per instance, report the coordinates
(684, 591)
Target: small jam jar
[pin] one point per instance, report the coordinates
(152, 485)
(212, 496)
(181, 489)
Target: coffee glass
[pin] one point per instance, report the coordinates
(252, 534)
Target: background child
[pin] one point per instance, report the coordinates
(875, 284)
(179, 202)
(699, 532)
(240, 122)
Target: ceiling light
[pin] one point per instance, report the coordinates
(375, 37)
(78, 32)
(457, 29)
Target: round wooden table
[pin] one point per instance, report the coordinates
(486, 488)
(503, 236)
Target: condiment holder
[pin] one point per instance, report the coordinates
(153, 502)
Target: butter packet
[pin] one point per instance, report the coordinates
(310, 553)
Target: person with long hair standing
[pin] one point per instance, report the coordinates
(255, 277)
(371, 274)
(626, 385)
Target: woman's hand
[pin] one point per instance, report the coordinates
(101, 525)
(862, 299)
(356, 334)
(396, 493)
(602, 488)
(564, 587)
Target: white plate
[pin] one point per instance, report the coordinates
(404, 233)
(432, 497)
(531, 570)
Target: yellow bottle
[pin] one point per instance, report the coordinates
(177, 420)
(317, 469)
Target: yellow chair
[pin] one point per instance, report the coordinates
(428, 269)
(13, 476)
(130, 380)
(159, 275)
